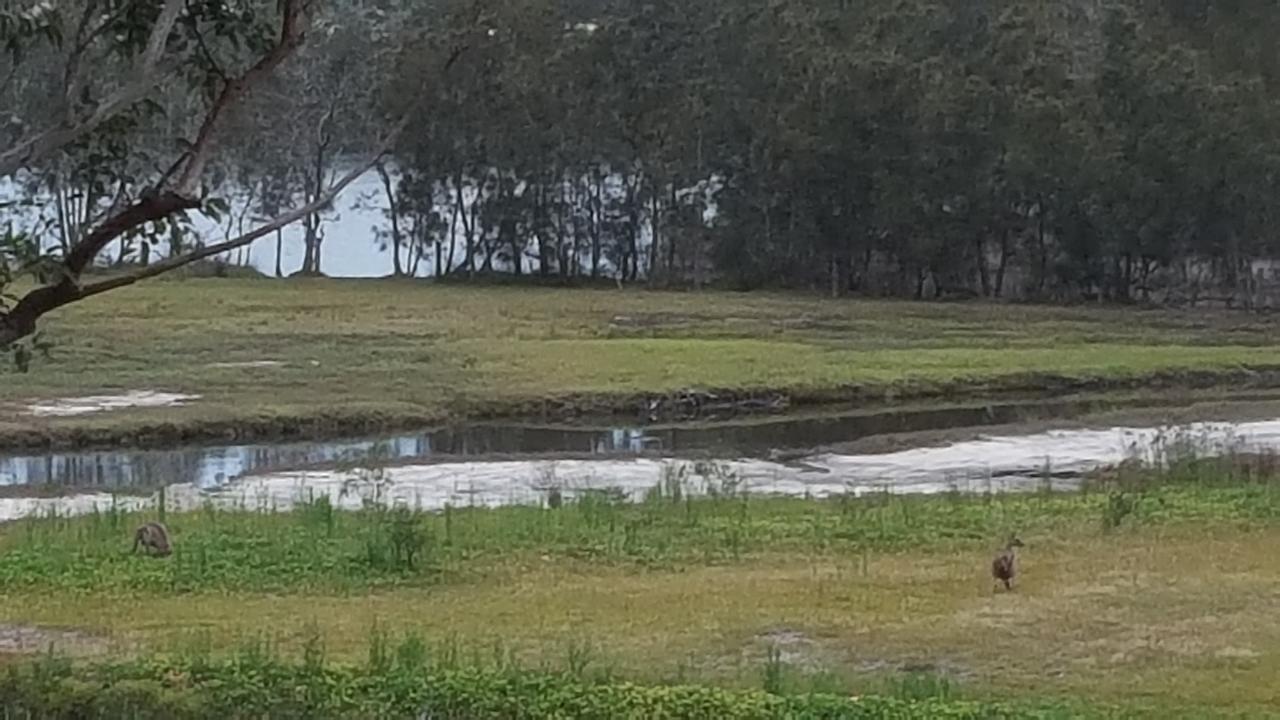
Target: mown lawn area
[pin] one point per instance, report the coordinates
(363, 353)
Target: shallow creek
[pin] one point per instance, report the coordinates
(988, 448)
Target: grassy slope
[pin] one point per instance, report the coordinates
(1174, 608)
(383, 350)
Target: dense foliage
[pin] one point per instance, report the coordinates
(400, 684)
(1005, 147)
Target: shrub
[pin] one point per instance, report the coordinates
(276, 689)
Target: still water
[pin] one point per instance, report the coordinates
(242, 476)
(210, 467)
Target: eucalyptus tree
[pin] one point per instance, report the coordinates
(112, 65)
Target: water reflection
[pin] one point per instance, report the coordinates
(217, 467)
(211, 467)
(214, 466)
(1055, 460)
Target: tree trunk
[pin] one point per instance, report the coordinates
(569, 227)
(468, 222)
(633, 231)
(1004, 263)
(984, 272)
(439, 252)
(566, 251)
(315, 259)
(387, 187)
(1126, 278)
(864, 272)
(453, 241)
(1043, 250)
(541, 223)
(655, 225)
(595, 215)
(279, 251)
(517, 249)
(672, 276)
(309, 246)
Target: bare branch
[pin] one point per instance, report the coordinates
(71, 73)
(208, 55)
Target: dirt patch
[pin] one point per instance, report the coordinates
(793, 648)
(29, 639)
(69, 407)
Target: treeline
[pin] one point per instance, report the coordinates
(1048, 149)
(1112, 149)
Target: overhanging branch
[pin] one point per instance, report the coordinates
(319, 203)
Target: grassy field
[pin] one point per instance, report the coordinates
(1157, 599)
(1152, 592)
(361, 354)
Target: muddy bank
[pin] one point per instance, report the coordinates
(689, 405)
(1138, 412)
(136, 433)
(722, 404)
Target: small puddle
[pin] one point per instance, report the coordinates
(494, 465)
(68, 407)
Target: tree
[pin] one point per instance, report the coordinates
(114, 71)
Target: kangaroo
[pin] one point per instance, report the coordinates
(154, 537)
(1003, 567)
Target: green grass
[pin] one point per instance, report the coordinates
(1160, 604)
(1155, 593)
(315, 547)
(365, 354)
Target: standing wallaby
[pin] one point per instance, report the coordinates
(1003, 567)
(154, 537)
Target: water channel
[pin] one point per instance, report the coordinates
(1003, 449)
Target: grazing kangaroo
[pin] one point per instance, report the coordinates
(1004, 566)
(154, 537)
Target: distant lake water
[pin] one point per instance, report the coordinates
(351, 246)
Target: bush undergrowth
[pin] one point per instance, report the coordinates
(257, 685)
